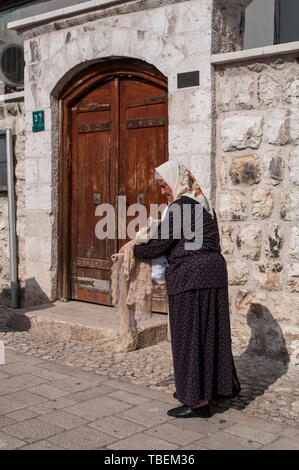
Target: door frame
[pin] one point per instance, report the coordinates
(87, 79)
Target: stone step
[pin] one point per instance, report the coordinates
(91, 324)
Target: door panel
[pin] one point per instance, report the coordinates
(92, 158)
(119, 135)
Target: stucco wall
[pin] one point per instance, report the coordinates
(257, 166)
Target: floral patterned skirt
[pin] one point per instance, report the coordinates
(201, 345)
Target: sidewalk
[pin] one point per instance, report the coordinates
(47, 405)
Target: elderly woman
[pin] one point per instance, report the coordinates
(197, 287)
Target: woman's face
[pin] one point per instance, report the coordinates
(165, 190)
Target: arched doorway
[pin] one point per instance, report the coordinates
(113, 132)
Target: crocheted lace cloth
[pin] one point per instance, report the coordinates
(131, 286)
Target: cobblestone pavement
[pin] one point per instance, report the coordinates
(269, 387)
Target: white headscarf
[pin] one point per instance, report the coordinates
(182, 183)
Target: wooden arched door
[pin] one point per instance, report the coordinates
(114, 133)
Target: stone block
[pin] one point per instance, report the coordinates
(225, 94)
(289, 205)
(188, 138)
(277, 130)
(38, 197)
(282, 308)
(274, 241)
(31, 170)
(246, 298)
(238, 272)
(293, 277)
(262, 203)
(294, 127)
(39, 224)
(232, 205)
(179, 107)
(241, 131)
(274, 166)
(227, 239)
(245, 170)
(294, 243)
(268, 276)
(290, 87)
(294, 166)
(244, 92)
(182, 18)
(249, 241)
(269, 91)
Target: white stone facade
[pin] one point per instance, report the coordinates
(175, 38)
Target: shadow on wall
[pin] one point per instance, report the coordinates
(30, 297)
(265, 360)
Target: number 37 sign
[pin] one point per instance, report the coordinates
(38, 121)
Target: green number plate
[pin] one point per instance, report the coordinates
(38, 120)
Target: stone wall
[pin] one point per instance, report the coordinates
(12, 117)
(257, 166)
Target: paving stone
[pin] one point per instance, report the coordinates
(142, 442)
(18, 400)
(171, 433)
(18, 368)
(43, 445)
(224, 441)
(117, 427)
(197, 425)
(6, 421)
(63, 419)
(32, 430)
(73, 384)
(8, 442)
(82, 438)
(3, 376)
(97, 408)
(49, 405)
(292, 433)
(127, 397)
(19, 382)
(257, 423)
(48, 391)
(93, 392)
(48, 374)
(282, 444)
(152, 414)
(22, 415)
(195, 446)
(252, 434)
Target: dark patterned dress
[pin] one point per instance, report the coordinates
(197, 287)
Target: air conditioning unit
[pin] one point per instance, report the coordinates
(11, 64)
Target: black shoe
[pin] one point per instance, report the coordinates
(186, 412)
(175, 395)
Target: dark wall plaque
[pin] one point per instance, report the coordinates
(188, 79)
